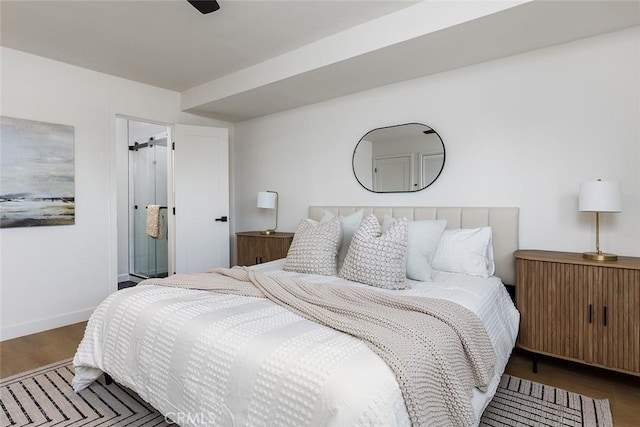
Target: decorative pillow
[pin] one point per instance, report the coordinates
(314, 248)
(375, 259)
(424, 236)
(466, 250)
(350, 224)
(327, 216)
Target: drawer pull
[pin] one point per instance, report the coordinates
(590, 313)
(604, 313)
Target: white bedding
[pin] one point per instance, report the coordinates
(206, 358)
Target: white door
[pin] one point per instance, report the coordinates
(392, 173)
(431, 166)
(201, 186)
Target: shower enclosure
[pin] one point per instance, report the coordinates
(148, 164)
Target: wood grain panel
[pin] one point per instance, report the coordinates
(580, 310)
(618, 340)
(256, 248)
(552, 319)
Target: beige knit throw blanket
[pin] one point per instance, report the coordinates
(437, 349)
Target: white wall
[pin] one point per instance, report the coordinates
(53, 276)
(520, 131)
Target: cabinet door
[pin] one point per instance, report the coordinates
(256, 249)
(249, 250)
(276, 248)
(554, 307)
(616, 294)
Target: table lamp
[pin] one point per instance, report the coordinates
(269, 200)
(599, 196)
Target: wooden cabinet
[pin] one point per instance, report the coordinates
(581, 310)
(256, 248)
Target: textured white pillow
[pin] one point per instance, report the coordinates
(314, 248)
(424, 236)
(375, 259)
(466, 250)
(350, 224)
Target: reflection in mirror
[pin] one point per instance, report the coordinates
(400, 158)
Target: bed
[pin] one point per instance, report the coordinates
(214, 358)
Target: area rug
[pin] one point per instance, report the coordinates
(520, 402)
(44, 397)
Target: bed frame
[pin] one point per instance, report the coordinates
(503, 222)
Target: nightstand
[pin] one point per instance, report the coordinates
(580, 310)
(256, 248)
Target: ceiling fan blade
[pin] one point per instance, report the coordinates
(205, 6)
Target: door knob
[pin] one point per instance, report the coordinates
(222, 219)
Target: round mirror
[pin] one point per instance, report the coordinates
(397, 159)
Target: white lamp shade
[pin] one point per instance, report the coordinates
(600, 196)
(266, 200)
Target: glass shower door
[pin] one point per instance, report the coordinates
(149, 168)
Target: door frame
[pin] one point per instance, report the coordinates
(133, 276)
(118, 198)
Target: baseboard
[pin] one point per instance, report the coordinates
(40, 325)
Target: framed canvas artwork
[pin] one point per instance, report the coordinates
(37, 183)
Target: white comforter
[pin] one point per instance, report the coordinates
(205, 358)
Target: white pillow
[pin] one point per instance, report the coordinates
(314, 248)
(466, 250)
(375, 259)
(350, 224)
(424, 236)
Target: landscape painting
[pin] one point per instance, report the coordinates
(37, 185)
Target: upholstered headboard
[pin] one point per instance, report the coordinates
(503, 222)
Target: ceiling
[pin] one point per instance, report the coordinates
(253, 58)
(168, 43)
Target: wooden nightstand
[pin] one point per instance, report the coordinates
(256, 248)
(580, 310)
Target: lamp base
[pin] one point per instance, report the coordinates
(599, 256)
(267, 232)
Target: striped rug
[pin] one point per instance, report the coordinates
(520, 402)
(44, 397)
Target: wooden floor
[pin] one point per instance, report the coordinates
(30, 352)
(623, 391)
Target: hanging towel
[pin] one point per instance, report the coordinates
(154, 221)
